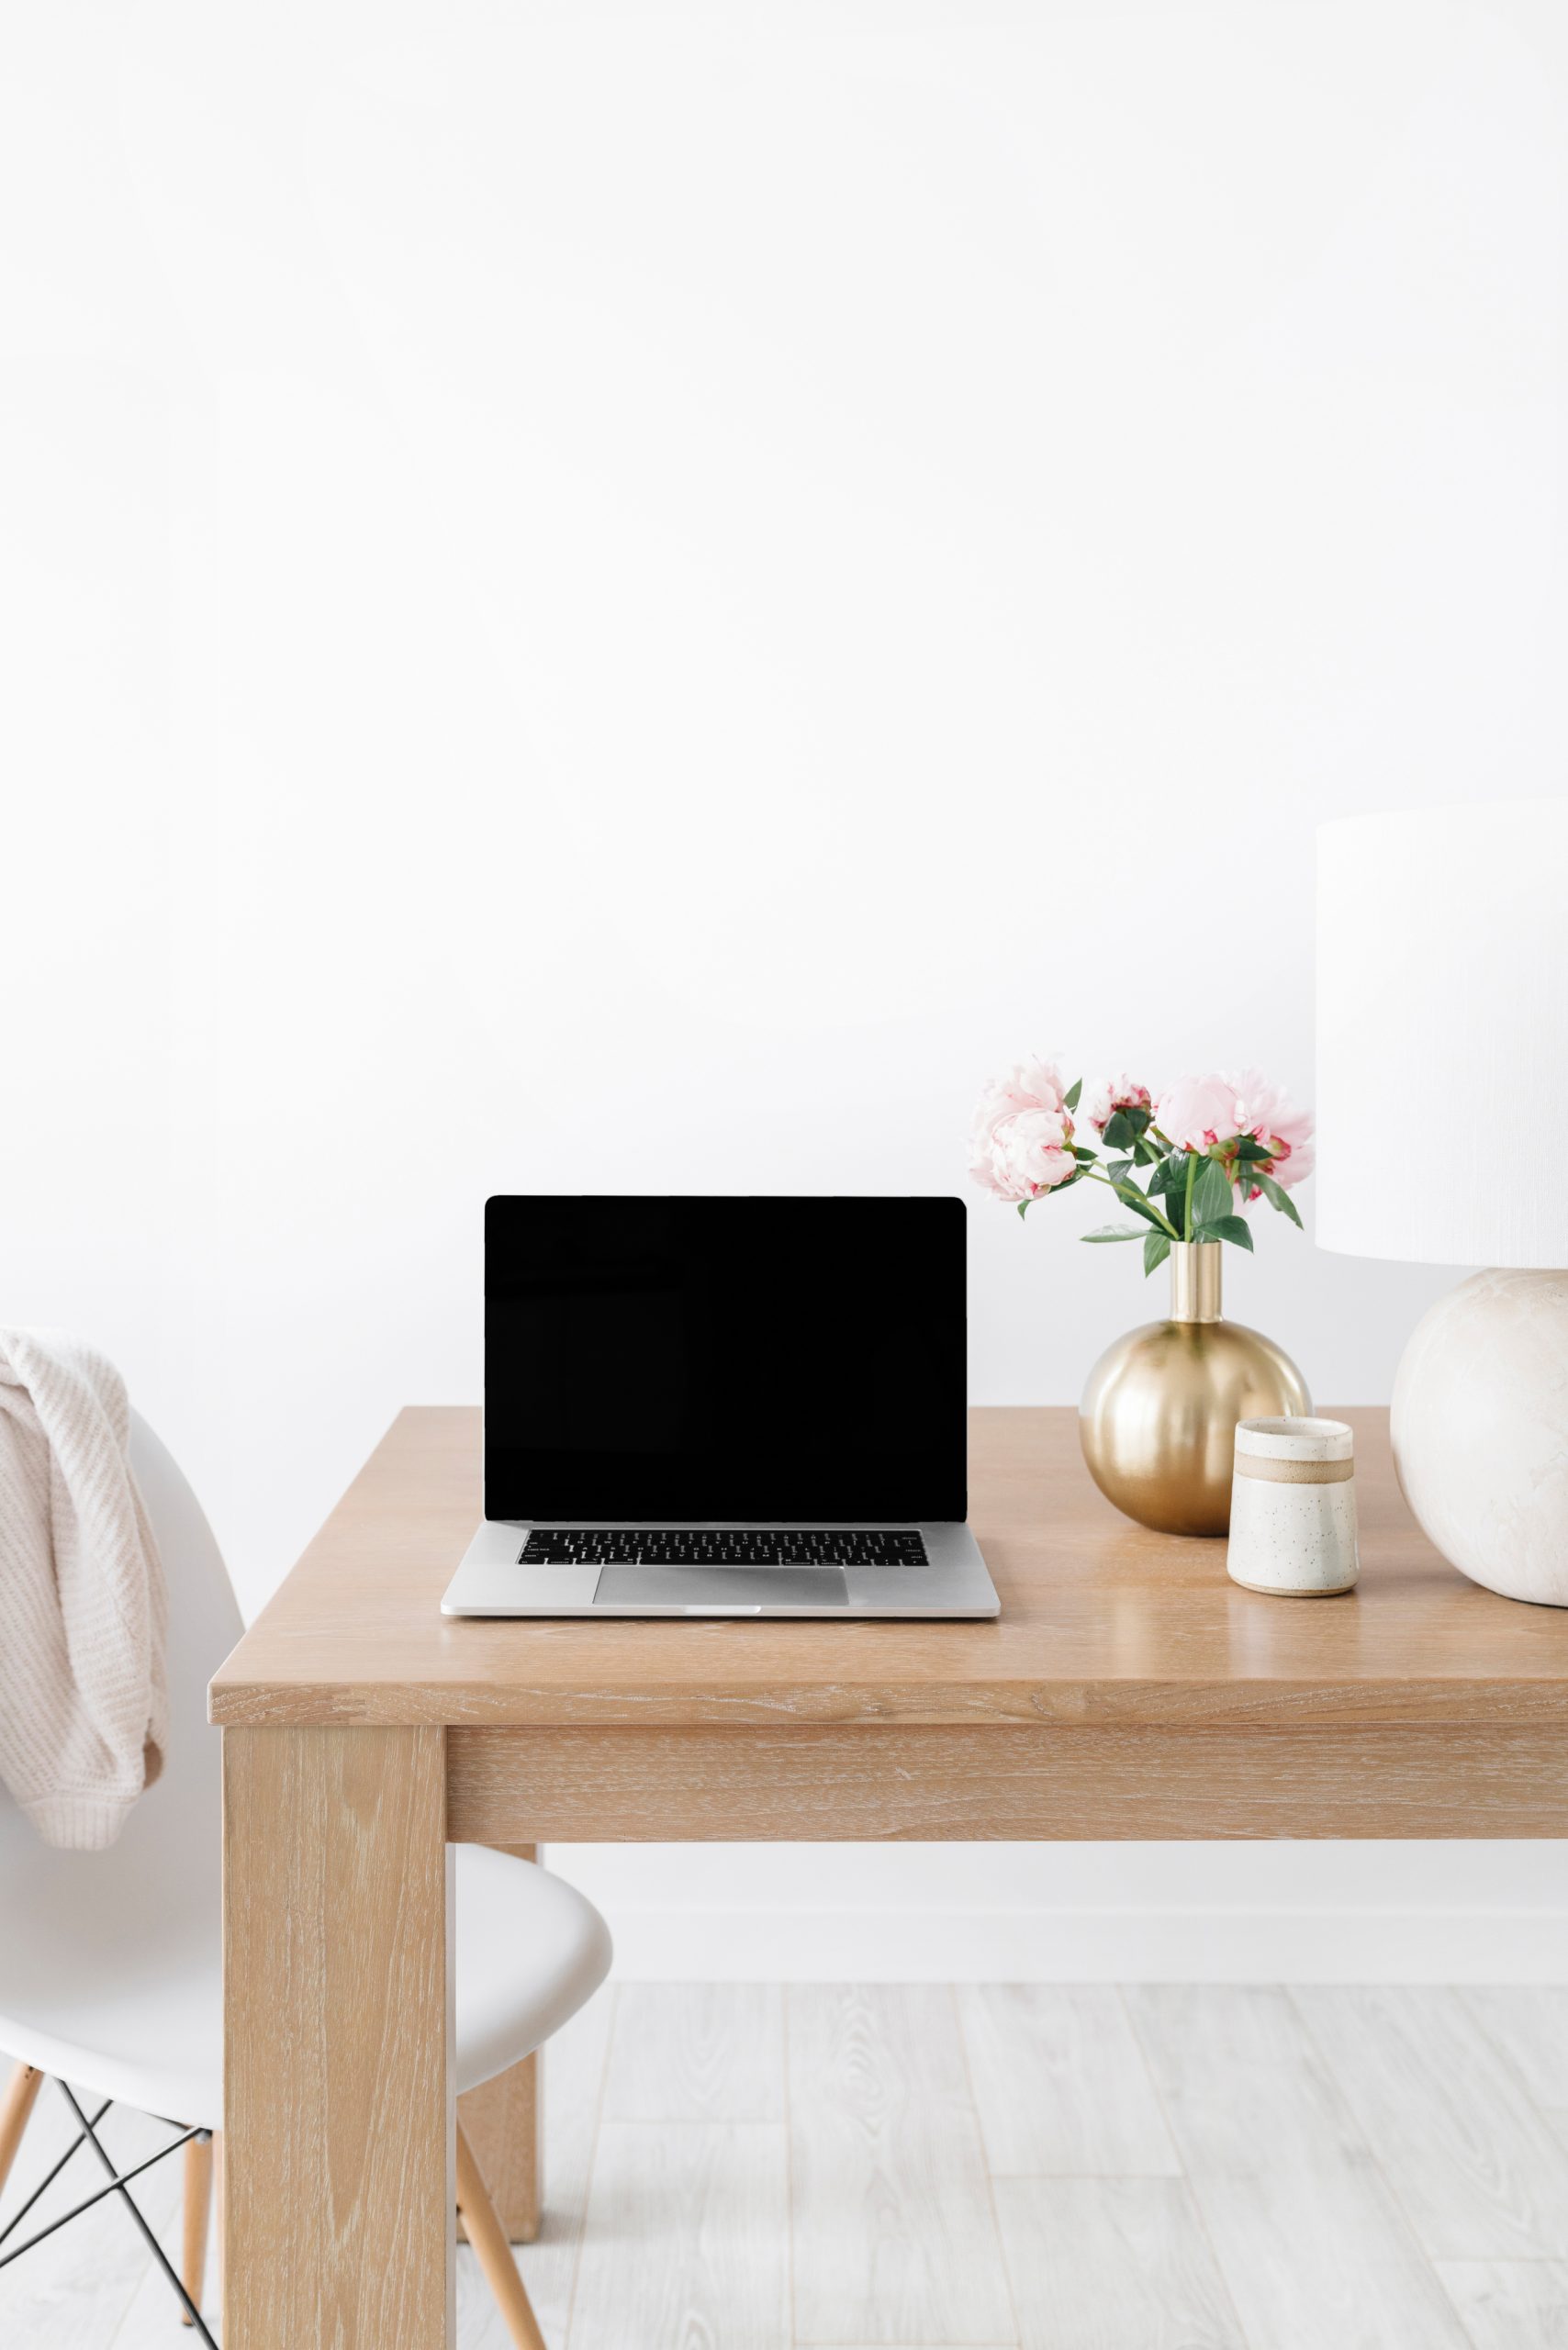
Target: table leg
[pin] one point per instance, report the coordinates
(504, 2120)
(337, 2174)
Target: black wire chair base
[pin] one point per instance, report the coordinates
(118, 2183)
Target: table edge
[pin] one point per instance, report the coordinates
(1515, 1701)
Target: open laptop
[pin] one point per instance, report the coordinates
(724, 1407)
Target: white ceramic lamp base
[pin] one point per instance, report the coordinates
(1479, 1427)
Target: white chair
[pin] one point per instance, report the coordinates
(110, 1963)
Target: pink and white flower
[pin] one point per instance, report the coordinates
(1101, 1099)
(1029, 1085)
(1196, 1112)
(1209, 1113)
(1266, 1112)
(1025, 1155)
(1022, 1141)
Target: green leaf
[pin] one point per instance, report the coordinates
(1120, 1132)
(1234, 1228)
(1278, 1197)
(1073, 1093)
(1137, 1119)
(1138, 1204)
(1025, 1205)
(1156, 1249)
(1083, 1155)
(1116, 1169)
(1170, 1176)
(1211, 1194)
(1115, 1231)
(1248, 1147)
(1148, 1154)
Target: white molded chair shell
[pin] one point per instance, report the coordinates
(110, 1963)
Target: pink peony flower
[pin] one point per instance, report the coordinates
(1024, 1154)
(1111, 1094)
(1266, 1112)
(1293, 1160)
(1021, 1143)
(1207, 1112)
(1031, 1085)
(1194, 1113)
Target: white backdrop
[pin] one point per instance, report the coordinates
(634, 597)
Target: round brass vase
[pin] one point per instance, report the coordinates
(1158, 1419)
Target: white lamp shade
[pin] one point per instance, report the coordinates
(1442, 1035)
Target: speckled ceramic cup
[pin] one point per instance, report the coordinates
(1293, 1508)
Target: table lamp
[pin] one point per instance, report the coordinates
(1442, 1125)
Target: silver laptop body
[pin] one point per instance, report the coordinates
(678, 1351)
(494, 1579)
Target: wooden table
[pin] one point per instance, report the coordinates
(1128, 1690)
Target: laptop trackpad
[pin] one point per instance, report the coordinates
(733, 1590)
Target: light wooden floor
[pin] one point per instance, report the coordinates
(747, 2168)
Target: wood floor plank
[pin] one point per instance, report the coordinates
(697, 2051)
(1314, 2249)
(688, 2239)
(894, 2236)
(1479, 2172)
(1528, 2023)
(1061, 2084)
(1112, 2264)
(1510, 2304)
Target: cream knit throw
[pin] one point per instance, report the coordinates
(84, 1697)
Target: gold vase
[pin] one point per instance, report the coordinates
(1158, 1419)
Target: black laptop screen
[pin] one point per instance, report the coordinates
(713, 1358)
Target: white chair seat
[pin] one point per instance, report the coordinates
(143, 2021)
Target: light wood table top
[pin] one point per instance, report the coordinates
(1102, 1624)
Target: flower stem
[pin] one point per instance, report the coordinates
(1187, 1204)
(1121, 1190)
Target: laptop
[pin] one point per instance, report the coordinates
(724, 1407)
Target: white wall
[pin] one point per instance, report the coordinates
(634, 597)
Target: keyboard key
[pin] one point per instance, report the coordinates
(703, 1546)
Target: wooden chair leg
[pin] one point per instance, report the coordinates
(198, 2204)
(488, 2237)
(16, 2110)
(502, 2121)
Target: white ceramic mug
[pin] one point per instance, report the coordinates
(1293, 1507)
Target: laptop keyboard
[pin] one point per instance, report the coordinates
(708, 1546)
